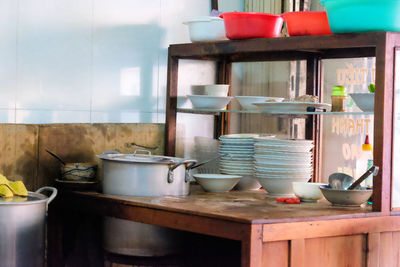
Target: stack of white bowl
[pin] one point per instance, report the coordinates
(236, 151)
(279, 162)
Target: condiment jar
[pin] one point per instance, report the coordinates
(338, 97)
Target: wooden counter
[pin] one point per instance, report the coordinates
(271, 233)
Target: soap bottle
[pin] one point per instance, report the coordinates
(338, 96)
(367, 150)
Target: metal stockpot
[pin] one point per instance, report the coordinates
(22, 229)
(143, 175)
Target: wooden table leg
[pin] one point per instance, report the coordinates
(252, 247)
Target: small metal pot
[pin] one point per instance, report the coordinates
(22, 229)
(145, 175)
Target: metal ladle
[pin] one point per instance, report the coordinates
(343, 181)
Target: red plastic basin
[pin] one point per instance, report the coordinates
(243, 25)
(307, 23)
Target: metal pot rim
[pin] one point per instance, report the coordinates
(132, 158)
(33, 198)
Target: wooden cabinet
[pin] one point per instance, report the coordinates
(312, 49)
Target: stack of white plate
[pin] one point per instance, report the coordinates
(237, 152)
(279, 162)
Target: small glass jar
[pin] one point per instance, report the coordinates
(338, 96)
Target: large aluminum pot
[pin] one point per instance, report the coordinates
(143, 175)
(22, 229)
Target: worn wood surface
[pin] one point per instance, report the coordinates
(236, 206)
(23, 156)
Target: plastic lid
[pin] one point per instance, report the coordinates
(339, 90)
(366, 146)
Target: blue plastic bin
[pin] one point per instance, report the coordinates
(362, 15)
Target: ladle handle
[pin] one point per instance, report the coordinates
(373, 170)
(56, 156)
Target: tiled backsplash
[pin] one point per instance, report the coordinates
(88, 61)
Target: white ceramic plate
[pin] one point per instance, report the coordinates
(263, 148)
(229, 171)
(289, 142)
(289, 107)
(280, 164)
(247, 101)
(249, 136)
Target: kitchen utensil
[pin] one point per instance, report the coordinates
(247, 101)
(209, 102)
(340, 180)
(85, 171)
(279, 186)
(206, 29)
(362, 15)
(243, 25)
(365, 101)
(354, 197)
(22, 231)
(307, 192)
(56, 157)
(145, 174)
(212, 182)
(307, 23)
(210, 89)
(142, 175)
(373, 170)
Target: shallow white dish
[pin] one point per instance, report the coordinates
(307, 192)
(241, 172)
(275, 160)
(279, 187)
(287, 142)
(249, 136)
(280, 164)
(247, 101)
(210, 89)
(365, 101)
(262, 148)
(206, 29)
(212, 182)
(289, 107)
(209, 102)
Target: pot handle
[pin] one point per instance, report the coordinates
(189, 164)
(147, 152)
(53, 193)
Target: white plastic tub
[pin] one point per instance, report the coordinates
(206, 29)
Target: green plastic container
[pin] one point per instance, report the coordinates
(362, 15)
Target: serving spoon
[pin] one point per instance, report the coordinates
(343, 181)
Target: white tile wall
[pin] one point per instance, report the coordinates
(65, 61)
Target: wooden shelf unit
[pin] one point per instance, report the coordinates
(313, 49)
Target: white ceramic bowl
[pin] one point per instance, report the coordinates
(206, 29)
(365, 101)
(346, 197)
(307, 192)
(212, 182)
(209, 102)
(247, 182)
(280, 187)
(210, 89)
(247, 101)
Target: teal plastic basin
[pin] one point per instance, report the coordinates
(362, 15)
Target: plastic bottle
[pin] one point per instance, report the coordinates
(367, 149)
(338, 96)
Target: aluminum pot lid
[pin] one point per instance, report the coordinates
(32, 198)
(140, 158)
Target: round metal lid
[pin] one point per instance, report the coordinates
(32, 198)
(140, 158)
